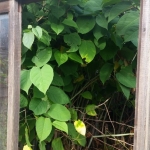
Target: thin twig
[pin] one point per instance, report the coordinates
(123, 124)
(109, 118)
(114, 135)
(103, 103)
(120, 141)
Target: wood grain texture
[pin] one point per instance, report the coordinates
(3, 79)
(4, 6)
(14, 75)
(142, 110)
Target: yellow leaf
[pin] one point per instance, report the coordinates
(80, 127)
(26, 147)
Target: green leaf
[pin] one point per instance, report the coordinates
(101, 43)
(42, 146)
(127, 53)
(86, 95)
(57, 95)
(134, 41)
(42, 57)
(23, 50)
(126, 77)
(87, 50)
(57, 11)
(58, 28)
(98, 32)
(93, 5)
(77, 137)
(23, 101)
(90, 110)
(76, 2)
(57, 144)
(37, 93)
(59, 112)
(73, 113)
(57, 80)
(61, 126)
(42, 77)
(25, 80)
(73, 40)
(105, 72)
(70, 15)
(75, 57)
(128, 26)
(28, 39)
(70, 23)
(27, 137)
(109, 2)
(51, 136)
(125, 90)
(43, 128)
(37, 32)
(72, 131)
(101, 21)
(38, 106)
(118, 8)
(60, 57)
(118, 40)
(85, 24)
(33, 8)
(109, 51)
(137, 2)
(45, 38)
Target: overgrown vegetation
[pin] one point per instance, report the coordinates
(78, 74)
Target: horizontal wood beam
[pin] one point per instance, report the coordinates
(4, 6)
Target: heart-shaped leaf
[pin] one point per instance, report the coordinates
(58, 28)
(42, 77)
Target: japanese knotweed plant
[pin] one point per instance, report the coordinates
(73, 49)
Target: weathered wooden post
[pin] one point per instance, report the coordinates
(10, 56)
(10, 49)
(142, 112)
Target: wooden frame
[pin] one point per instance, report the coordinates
(13, 8)
(142, 111)
(4, 6)
(14, 74)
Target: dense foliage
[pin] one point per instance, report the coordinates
(78, 73)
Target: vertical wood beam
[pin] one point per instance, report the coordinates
(142, 106)
(14, 74)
